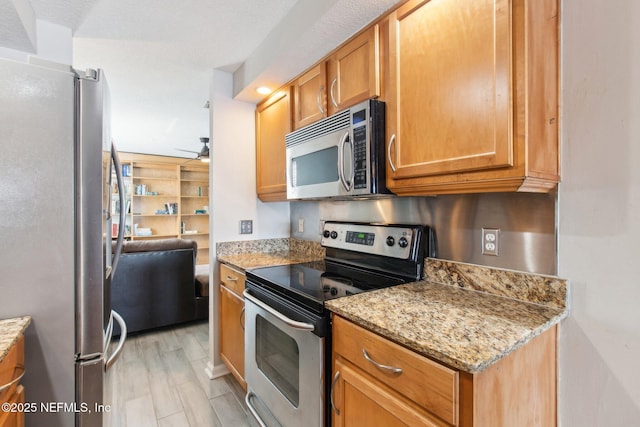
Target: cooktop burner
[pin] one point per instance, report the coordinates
(312, 283)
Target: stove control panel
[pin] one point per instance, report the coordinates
(396, 241)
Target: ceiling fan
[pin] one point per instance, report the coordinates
(203, 154)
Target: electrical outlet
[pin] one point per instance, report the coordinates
(300, 225)
(246, 226)
(491, 241)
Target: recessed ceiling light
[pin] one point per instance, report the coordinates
(263, 90)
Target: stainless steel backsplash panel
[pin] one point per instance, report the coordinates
(527, 223)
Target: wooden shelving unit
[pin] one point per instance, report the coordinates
(167, 197)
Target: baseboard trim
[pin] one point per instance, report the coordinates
(218, 371)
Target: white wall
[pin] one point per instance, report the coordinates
(233, 189)
(233, 167)
(599, 214)
(54, 43)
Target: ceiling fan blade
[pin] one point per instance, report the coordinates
(187, 151)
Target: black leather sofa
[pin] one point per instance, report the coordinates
(154, 285)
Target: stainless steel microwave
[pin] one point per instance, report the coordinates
(339, 156)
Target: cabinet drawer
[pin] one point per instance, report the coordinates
(427, 383)
(13, 419)
(232, 278)
(11, 366)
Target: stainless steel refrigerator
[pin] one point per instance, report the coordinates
(58, 168)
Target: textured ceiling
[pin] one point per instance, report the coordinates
(158, 54)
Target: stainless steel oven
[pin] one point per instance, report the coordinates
(288, 330)
(285, 368)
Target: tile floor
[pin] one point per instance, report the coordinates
(159, 381)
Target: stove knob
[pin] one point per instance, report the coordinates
(334, 291)
(326, 234)
(391, 241)
(403, 242)
(334, 235)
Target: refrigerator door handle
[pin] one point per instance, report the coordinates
(107, 335)
(120, 240)
(123, 337)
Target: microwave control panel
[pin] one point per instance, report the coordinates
(360, 155)
(359, 124)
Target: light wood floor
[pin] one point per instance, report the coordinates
(159, 381)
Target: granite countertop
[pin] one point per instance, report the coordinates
(246, 261)
(464, 315)
(463, 328)
(10, 331)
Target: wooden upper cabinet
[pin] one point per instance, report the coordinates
(310, 96)
(349, 75)
(472, 96)
(354, 71)
(273, 122)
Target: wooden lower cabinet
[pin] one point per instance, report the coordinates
(11, 367)
(518, 390)
(363, 401)
(232, 321)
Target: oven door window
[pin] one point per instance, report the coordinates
(278, 357)
(318, 167)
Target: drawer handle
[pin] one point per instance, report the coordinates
(6, 386)
(333, 386)
(380, 365)
(231, 279)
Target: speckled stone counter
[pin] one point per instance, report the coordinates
(10, 331)
(263, 253)
(468, 327)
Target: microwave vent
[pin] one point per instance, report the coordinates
(322, 127)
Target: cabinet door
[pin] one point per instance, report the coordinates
(14, 418)
(232, 333)
(354, 71)
(359, 400)
(310, 96)
(273, 122)
(449, 87)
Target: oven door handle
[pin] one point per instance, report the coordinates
(256, 416)
(294, 324)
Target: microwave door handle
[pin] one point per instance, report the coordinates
(353, 165)
(343, 140)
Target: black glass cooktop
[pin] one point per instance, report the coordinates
(313, 283)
